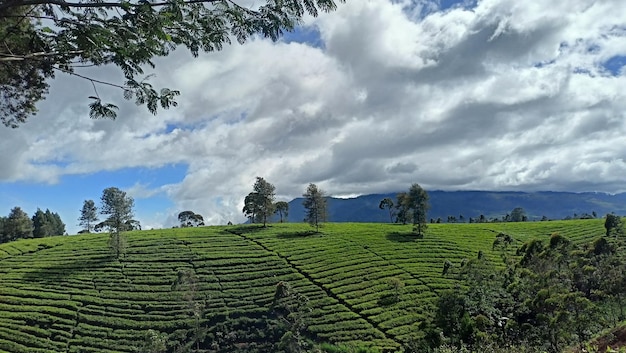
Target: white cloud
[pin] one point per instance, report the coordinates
(507, 95)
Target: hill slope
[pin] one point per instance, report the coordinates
(554, 205)
(66, 294)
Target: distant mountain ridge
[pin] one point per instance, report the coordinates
(551, 204)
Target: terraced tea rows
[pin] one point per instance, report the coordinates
(367, 283)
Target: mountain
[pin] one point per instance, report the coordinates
(553, 205)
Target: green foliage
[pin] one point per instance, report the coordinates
(403, 214)
(47, 224)
(315, 206)
(282, 209)
(190, 219)
(17, 225)
(265, 194)
(388, 204)
(153, 342)
(88, 215)
(518, 215)
(22, 80)
(259, 204)
(41, 37)
(117, 244)
(119, 209)
(74, 286)
(412, 207)
(613, 225)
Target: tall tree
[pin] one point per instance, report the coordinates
(282, 208)
(57, 227)
(418, 204)
(518, 215)
(41, 226)
(18, 225)
(4, 237)
(187, 283)
(388, 204)
(190, 219)
(88, 215)
(119, 209)
(250, 207)
(613, 225)
(264, 198)
(402, 206)
(315, 205)
(41, 38)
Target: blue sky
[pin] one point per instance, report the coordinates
(66, 197)
(368, 99)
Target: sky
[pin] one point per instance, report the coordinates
(380, 94)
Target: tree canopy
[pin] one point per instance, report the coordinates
(387, 203)
(265, 194)
(42, 38)
(613, 224)
(47, 224)
(282, 209)
(417, 199)
(17, 225)
(119, 209)
(315, 205)
(190, 219)
(88, 215)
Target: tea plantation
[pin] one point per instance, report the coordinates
(367, 284)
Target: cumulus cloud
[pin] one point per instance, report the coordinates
(501, 95)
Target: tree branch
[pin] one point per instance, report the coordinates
(13, 57)
(92, 80)
(63, 3)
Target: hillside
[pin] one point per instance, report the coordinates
(553, 205)
(67, 294)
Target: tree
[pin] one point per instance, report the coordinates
(132, 224)
(18, 225)
(56, 224)
(388, 204)
(315, 205)
(187, 283)
(190, 219)
(517, 215)
(417, 199)
(291, 308)
(402, 205)
(41, 226)
(153, 342)
(262, 200)
(40, 38)
(613, 224)
(282, 208)
(250, 207)
(88, 215)
(4, 237)
(47, 224)
(119, 209)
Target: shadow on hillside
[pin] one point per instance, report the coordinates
(302, 234)
(245, 229)
(403, 237)
(62, 271)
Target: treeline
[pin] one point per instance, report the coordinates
(547, 295)
(18, 225)
(260, 204)
(116, 206)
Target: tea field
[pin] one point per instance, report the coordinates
(68, 294)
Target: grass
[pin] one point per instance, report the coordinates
(69, 294)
